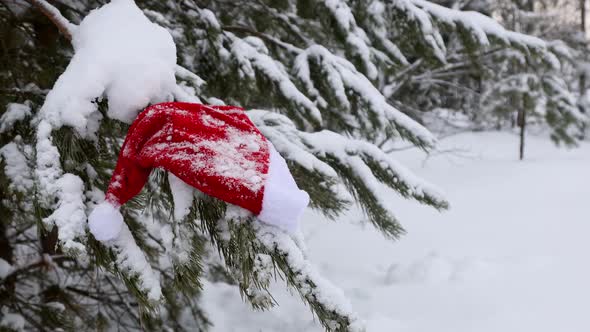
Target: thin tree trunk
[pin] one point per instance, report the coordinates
(583, 16)
(582, 82)
(522, 124)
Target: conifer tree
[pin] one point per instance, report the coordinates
(536, 95)
(326, 81)
(504, 88)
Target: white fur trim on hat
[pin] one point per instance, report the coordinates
(283, 202)
(105, 222)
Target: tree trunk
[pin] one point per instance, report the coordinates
(582, 86)
(583, 16)
(521, 121)
(530, 5)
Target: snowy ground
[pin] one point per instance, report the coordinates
(512, 254)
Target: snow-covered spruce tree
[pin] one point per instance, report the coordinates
(503, 87)
(520, 95)
(482, 89)
(320, 79)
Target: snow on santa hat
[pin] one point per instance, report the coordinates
(216, 149)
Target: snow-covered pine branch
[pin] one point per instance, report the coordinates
(256, 251)
(361, 167)
(252, 58)
(345, 85)
(355, 38)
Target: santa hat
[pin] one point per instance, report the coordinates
(217, 150)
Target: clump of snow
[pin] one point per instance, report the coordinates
(182, 194)
(5, 268)
(14, 112)
(184, 92)
(48, 168)
(12, 321)
(131, 260)
(119, 54)
(58, 306)
(16, 167)
(70, 214)
(209, 17)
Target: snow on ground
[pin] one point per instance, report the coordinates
(510, 255)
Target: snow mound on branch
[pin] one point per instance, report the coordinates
(119, 54)
(70, 214)
(5, 268)
(16, 167)
(14, 113)
(12, 321)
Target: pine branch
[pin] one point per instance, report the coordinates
(327, 301)
(54, 15)
(242, 29)
(253, 250)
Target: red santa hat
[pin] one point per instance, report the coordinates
(217, 150)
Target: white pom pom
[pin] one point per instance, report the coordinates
(105, 222)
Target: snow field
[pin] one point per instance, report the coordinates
(510, 254)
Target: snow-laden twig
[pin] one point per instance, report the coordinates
(356, 38)
(256, 250)
(16, 167)
(344, 79)
(481, 26)
(327, 300)
(132, 261)
(14, 113)
(188, 75)
(62, 23)
(265, 37)
(252, 57)
(406, 183)
(70, 214)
